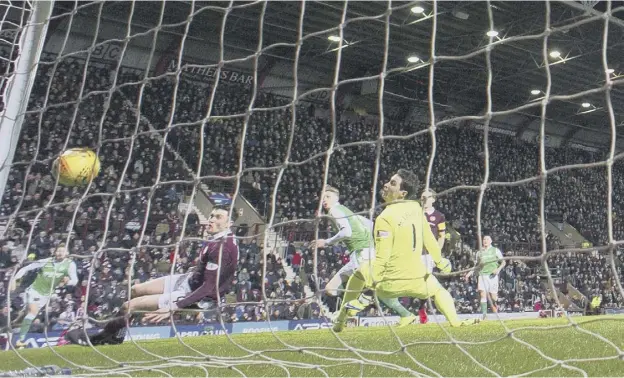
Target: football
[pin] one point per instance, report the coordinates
(76, 167)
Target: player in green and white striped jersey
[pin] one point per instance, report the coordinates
(353, 230)
(489, 264)
(52, 272)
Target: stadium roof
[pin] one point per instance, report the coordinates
(518, 65)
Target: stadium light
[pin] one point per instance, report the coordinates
(555, 54)
(535, 92)
(418, 9)
(334, 38)
(492, 33)
(413, 59)
(586, 104)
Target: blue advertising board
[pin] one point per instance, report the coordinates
(39, 340)
(148, 333)
(308, 324)
(200, 330)
(258, 327)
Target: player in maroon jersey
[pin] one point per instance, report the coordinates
(437, 222)
(212, 277)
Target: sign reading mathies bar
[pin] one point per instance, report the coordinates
(209, 73)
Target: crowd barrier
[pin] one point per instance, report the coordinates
(39, 340)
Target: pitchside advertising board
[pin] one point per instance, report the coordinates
(38, 340)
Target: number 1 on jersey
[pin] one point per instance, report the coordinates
(413, 238)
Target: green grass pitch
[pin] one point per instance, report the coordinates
(549, 347)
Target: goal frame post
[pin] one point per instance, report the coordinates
(20, 83)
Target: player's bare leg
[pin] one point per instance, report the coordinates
(152, 287)
(333, 289)
(494, 298)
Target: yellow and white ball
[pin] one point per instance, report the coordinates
(76, 167)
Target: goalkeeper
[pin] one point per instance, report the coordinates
(401, 231)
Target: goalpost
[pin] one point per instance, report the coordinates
(175, 102)
(24, 52)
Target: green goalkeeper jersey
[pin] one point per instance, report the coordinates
(490, 259)
(51, 274)
(352, 230)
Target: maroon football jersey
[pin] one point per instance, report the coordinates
(215, 271)
(437, 222)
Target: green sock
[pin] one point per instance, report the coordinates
(24, 328)
(394, 304)
(484, 308)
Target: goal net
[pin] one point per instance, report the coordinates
(508, 111)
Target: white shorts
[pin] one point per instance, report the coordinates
(33, 297)
(354, 262)
(176, 286)
(429, 264)
(487, 284)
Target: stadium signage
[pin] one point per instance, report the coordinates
(481, 126)
(260, 329)
(318, 96)
(107, 51)
(304, 326)
(143, 336)
(197, 330)
(35, 340)
(582, 147)
(147, 333)
(209, 73)
(378, 321)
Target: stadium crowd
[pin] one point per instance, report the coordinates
(130, 193)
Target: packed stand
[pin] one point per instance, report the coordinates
(508, 212)
(54, 122)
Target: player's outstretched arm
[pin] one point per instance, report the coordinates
(30, 267)
(344, 230)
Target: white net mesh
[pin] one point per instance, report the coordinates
(508, 110)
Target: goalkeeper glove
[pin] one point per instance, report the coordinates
(444, 265)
